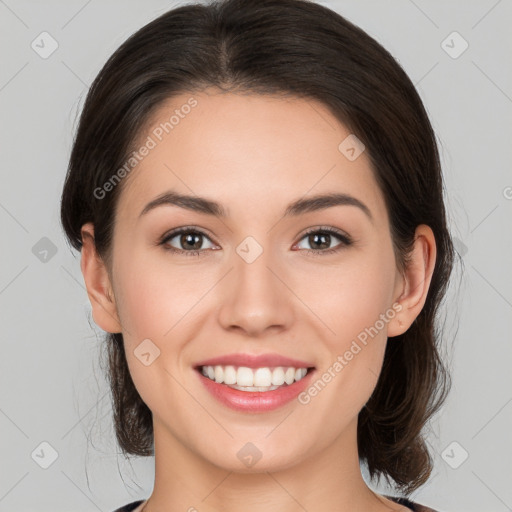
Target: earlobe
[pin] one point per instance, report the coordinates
(97, 282)
(418, 276)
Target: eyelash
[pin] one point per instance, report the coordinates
(345, 241)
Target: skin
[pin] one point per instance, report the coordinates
(254, 154)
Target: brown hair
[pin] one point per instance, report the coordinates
(302, 49)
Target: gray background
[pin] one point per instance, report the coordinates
(51, 383)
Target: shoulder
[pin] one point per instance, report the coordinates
(415, 507)
(130, 506)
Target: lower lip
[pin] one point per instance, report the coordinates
(249, 401)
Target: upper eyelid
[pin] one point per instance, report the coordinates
(169, 235)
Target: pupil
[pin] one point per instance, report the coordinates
(317, 236)
(188, 239)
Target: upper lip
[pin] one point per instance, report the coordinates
(255, 361)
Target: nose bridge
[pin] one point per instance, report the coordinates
(253, 261)
(257, 299)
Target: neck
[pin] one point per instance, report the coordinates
(328, 479)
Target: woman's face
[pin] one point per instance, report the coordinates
(260, 284)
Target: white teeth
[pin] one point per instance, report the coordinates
(253, 379)
(289, 376)
(229, 375)
(244, 376)
(278, 377)
(254, 388)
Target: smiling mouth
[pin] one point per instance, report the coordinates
(254, 379)
(255, 390)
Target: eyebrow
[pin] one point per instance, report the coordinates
(298, 207)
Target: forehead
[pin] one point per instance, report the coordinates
(245, 151)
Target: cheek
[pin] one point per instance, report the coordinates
(351, 368)
(355, 303)
(348, 296)
(157, 302)
(155, 294)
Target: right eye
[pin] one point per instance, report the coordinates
(187, 238)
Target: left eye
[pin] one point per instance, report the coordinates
(318, 236)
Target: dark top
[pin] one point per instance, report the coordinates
(129, 507)
(415, 507)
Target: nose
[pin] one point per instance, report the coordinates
(255, 297)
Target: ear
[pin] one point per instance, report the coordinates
(97, 282)
(415, 283)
